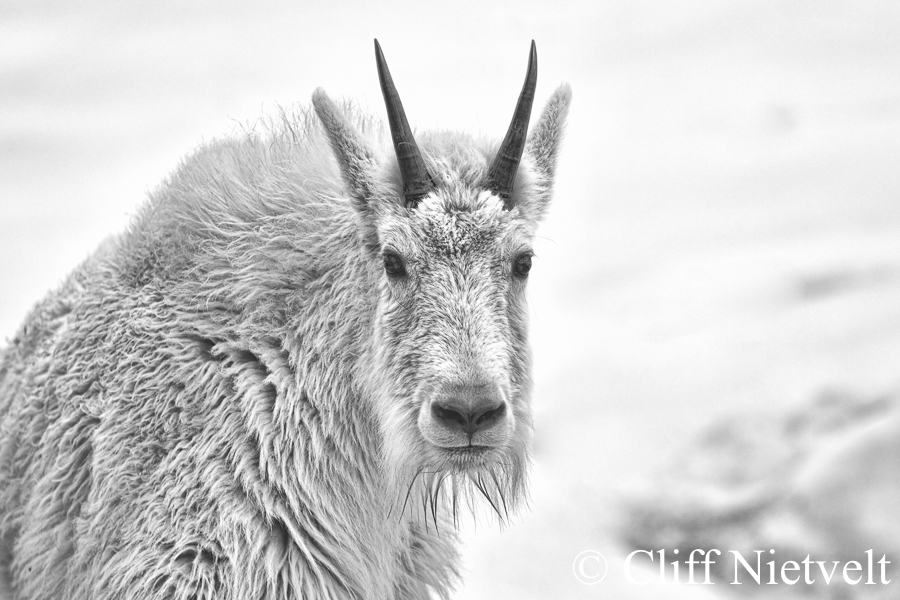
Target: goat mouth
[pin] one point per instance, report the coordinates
(466, 457)
(466, 450)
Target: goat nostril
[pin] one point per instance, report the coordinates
(491, 415)
(447, 414)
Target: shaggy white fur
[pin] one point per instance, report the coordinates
(222, 402)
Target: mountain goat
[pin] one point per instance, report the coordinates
(286, 377)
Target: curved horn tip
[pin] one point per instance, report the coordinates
(532, 56)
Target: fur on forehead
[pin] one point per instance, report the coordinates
(455, 221)
(458, 165)
(460, 215)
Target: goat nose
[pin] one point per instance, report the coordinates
(470, 419)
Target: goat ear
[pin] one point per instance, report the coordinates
(542, 148)
(354, 156)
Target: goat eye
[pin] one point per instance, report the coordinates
(522, 265)
(393, 265)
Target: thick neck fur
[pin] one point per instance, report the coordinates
(258, 263)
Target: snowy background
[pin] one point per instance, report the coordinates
(725, 238)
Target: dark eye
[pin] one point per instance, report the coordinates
(522, 265)
(393, 265)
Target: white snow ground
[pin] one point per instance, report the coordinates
(726, 234)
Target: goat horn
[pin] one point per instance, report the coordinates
(417, 183)
(502, 172)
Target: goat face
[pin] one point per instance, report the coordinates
(452, 338)
(447, 234)
(452, 313)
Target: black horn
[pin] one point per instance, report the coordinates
(502, 172)
(417, 183)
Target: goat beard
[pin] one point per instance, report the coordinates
(435, 487)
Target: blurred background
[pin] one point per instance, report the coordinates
(725, 239)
